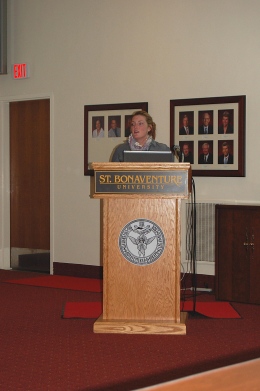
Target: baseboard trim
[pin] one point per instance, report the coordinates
(202, 267)
(76, 270)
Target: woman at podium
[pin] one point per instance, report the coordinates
(142, 137)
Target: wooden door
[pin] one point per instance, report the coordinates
(30, 175)
(254, 249)
(237, 253)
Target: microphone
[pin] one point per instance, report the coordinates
(177, 151)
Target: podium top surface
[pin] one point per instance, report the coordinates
(145, 166)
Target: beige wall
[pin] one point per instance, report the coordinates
(84, 52)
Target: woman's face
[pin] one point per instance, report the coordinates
(140, 128)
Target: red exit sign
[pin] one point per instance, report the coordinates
(20, 71)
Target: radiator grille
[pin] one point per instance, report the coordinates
(204, 217)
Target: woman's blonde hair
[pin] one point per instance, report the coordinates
(149, 121)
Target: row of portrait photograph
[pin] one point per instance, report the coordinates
(114, 127)
(186, 120)
(203, 152)
(208, 133)
(205, 123)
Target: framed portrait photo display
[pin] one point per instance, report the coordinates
(210, 134)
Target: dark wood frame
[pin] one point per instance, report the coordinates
(119, 107)
(203, 104)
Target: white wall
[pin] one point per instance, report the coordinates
(84, 52)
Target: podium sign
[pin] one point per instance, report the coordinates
(173, 182)
(141, 246)
(173, 179)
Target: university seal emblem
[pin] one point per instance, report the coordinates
(141, 242)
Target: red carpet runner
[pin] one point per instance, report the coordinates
(213, 309)
(90, 310)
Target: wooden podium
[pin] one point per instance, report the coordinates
(141, 246)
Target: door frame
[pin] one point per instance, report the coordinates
(5, 249)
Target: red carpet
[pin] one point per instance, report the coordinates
(90, 310)
(41, 351)
(62, 282)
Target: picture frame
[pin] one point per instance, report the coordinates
(106, 126)
(210, 134)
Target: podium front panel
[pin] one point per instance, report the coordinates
(146, 284)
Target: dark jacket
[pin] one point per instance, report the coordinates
(210, 129)
(221, 159)
(182, 131)
(209, 161)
